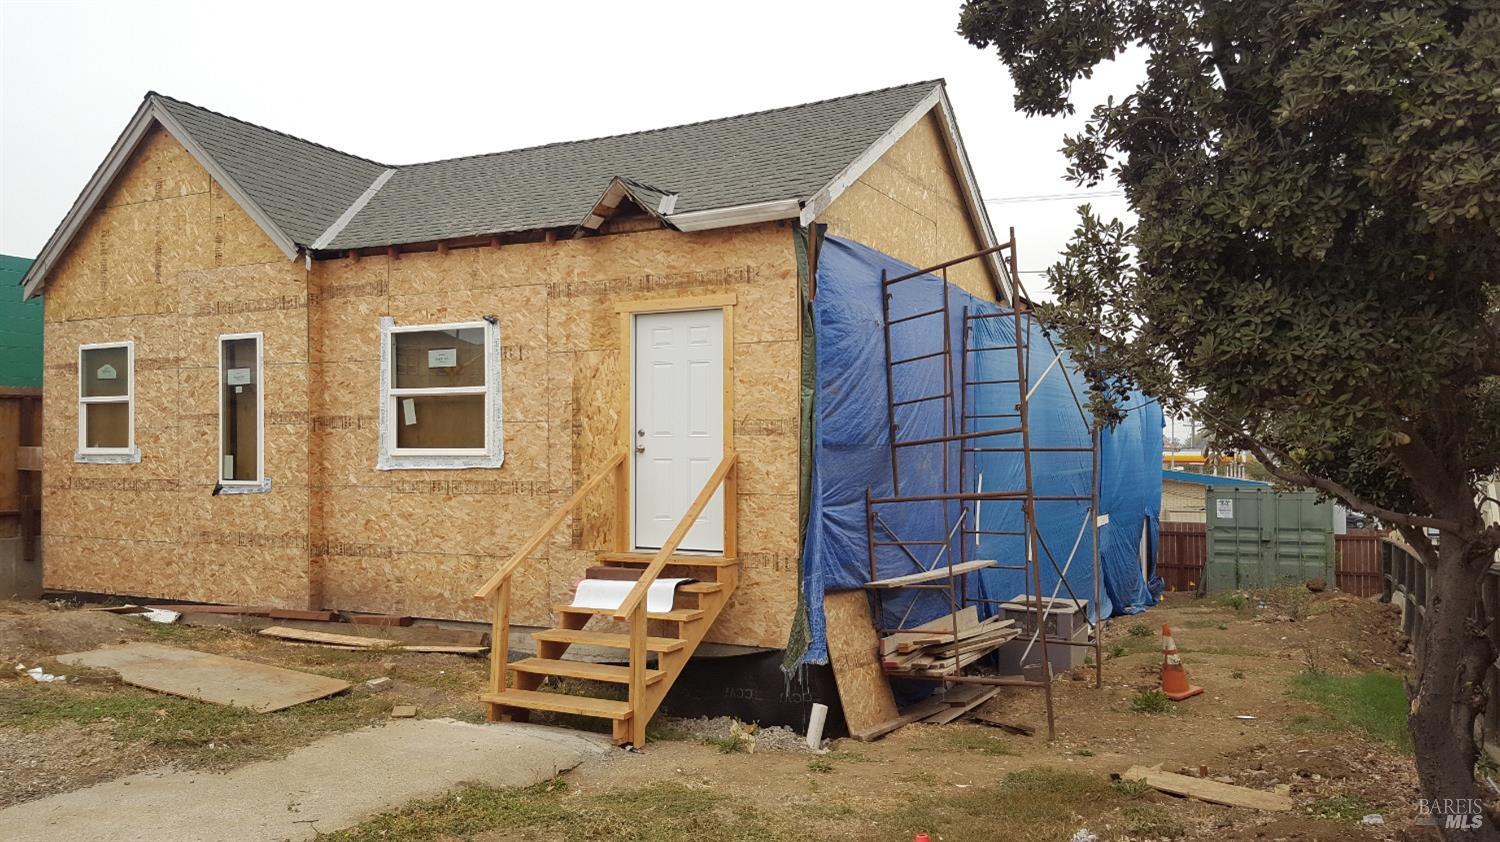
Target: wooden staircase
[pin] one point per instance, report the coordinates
(654, 647)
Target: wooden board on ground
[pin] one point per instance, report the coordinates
(208, 678)
(915, 713)
(308, 636)
(1213, 792)
(416, 634)
(349, 641)
(853, 648)
(960, 700)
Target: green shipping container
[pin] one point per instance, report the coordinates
(1260, 538)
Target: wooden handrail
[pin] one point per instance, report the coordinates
(659, 561)
(546, 528)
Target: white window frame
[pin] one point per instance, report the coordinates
(260, 411)
(392, 457)
(128, 453)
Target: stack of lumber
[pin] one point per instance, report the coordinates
(946, 645)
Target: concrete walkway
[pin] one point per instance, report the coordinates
(333, 783)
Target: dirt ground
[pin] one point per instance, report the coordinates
(960, 781)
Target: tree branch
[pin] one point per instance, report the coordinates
(1289, 473)
(1419, 542)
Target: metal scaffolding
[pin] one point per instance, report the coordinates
(941, 559)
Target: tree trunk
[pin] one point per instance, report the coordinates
(1452, 658)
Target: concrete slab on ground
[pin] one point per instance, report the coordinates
(334, 783)
(208, 678)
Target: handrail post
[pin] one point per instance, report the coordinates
(621, 535)
(499, 640)
(732, 511)
(637, 687)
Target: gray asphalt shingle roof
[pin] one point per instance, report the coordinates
(301, 185)
(785, 153)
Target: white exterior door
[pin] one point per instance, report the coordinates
(679, 424)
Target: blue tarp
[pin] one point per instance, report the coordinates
(852, 456)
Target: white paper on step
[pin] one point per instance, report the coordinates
(609, 593)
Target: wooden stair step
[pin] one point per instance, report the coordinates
(559, 703)
(680, 560)
(580, 669)
(701, 587)
(609, 639)
(680, 615)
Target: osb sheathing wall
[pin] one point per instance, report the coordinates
(171, 262)
(420, 541)
(908, 204)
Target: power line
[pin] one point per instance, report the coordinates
(1054, 197)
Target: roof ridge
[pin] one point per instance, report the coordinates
(938, 81)
(160, 95)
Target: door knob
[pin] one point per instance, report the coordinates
(640, 448)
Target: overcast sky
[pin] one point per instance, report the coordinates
(417, 81)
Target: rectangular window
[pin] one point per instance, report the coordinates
(439, 390)
(241, 410)
(106, 410)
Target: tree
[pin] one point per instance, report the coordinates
(1314, 267)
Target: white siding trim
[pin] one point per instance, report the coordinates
(737, 215)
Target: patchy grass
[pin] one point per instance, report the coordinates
(732, 744)
(1131, 787)
(967, 739)
(1372, 702)
(819, 765)
(659, 811)
(1152, 701)
(1234, 600)
(1148, 821)
(198, 734)
(1032, 804)
(1343, 808)
(1140, 630)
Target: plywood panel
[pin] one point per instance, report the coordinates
(853, 652)
(208, 678)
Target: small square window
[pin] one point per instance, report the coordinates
(442, 393)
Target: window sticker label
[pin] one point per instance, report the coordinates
(238, 377)
(408, 411)
(442, 358)
(105, 372)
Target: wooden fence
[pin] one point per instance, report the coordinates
(1183, 555)
(20, 492)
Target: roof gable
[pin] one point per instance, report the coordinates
(303, 186)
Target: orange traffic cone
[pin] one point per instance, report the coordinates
(1174, 680)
